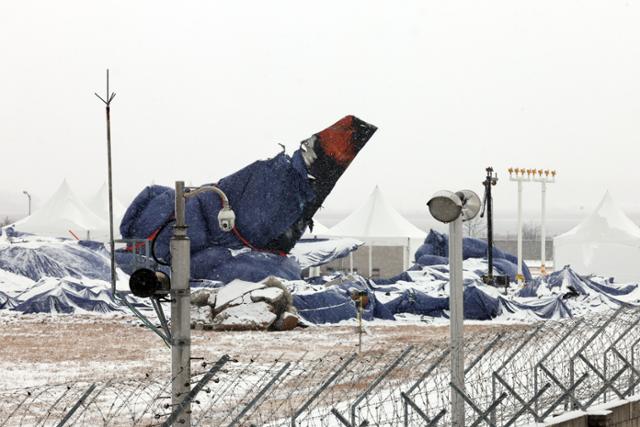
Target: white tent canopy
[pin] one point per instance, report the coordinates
(99, 205)
(319, 230)
(64, 215)
(377, 223)
(606, 243)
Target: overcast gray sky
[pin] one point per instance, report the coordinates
(205, 87)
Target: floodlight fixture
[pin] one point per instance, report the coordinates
(471, 204)
(146, 283)
(447, 206)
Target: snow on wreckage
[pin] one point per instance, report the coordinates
(274, 201)
(423, 291)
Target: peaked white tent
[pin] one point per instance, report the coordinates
(377, 223)
(319, 230)
(99, 205)
(606, 243)
(64, 215)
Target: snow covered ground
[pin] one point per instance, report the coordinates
(41, 349)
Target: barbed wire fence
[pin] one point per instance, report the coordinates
(512, 378)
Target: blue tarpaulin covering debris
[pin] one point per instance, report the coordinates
(274, 201)
(334, 303)
(422, 291)
(7, 302)
(478, 305)
(544, 308)
(435, 250)
(55, 260)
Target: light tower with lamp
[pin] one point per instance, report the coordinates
(454, 208)
(519, 175)
(543, 177)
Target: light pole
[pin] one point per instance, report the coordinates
(180, 248)
(453, 209)
(180, 315)
(490, 181)
(519, 177)
(543, 177)
(26, 193)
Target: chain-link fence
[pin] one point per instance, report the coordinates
(511, 378)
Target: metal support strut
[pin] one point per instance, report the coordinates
(180, 310)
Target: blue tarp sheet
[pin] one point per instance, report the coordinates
(569, 282)
(55, 260)
(545, 308)
(437, 244)
(68, 297)
(478, 305)
(402, 277)
(334, 303)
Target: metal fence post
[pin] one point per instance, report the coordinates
(406, 396)
(320, 389)
(384, 374)
(493, 399)
(77, 405)
(186, 402)
(535, 389)
(259, 395)
(604, 372)
(483, 353)
(518, 349)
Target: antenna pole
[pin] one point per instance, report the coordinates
(107, 102)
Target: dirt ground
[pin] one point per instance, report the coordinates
(43, 349)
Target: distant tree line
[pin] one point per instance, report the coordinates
(477, 228)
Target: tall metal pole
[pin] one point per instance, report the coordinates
(489, 224)
(107, 102)
(520, 276)
(180, 309)
(544, 177)
(490, 180)
(521, 175)
(456, 330)
(543, 230)
(454, 208)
